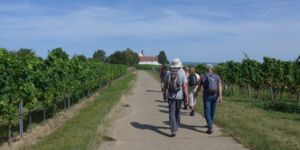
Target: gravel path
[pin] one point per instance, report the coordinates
(141, 123)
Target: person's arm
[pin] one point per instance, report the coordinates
(165, 87)
(220, 92)
(185, 88)
(199, 87)
(185, 91)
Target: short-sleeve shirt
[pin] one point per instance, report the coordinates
(182, 79)
(203, 78)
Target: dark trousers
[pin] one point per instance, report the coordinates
(174, 114)
(209, 103)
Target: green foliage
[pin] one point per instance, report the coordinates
(36, 82)
(273, 75)
(200, 68)
(99, 55)
(81, 57)
(162, 58)
(126, 57)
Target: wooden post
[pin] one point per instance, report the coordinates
(21, 117)
(249, 90)
(9, 131)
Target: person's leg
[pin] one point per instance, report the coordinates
(162, 85)
(185, 105)
(213, 108)
(172, 118)
(177, 112)
(191, 102)
(207, 111)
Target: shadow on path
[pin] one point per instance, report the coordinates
(181, 113)
(163, 106)
(150, 127)
(160, 101)
(190, 127)
(153, 91)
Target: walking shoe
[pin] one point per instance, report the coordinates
(210, 131)
(185, 107)
(192, 113)
(173, 134)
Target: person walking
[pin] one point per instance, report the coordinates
(175, 87)
(163, 72)
(193, 81)
(187, 73)
(212, 93)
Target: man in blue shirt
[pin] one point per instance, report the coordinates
(212, 93)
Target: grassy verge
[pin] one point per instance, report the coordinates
(258, 128)
(79, 132)
(148, 67)
(154, 74)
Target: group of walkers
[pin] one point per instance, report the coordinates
(182, 85)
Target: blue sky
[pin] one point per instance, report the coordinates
(193, 30)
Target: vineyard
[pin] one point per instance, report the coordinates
(274, 80)
(31, 85)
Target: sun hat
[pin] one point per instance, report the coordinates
(176, 63)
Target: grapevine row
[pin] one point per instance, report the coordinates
(275, 76)
(28, 82)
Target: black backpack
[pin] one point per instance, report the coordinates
(174, 84)
(192, 80)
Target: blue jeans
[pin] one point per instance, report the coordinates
(209, 103)
(174, 114)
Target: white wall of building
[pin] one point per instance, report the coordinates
(149, 63)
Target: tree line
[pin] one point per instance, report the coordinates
(29, 83)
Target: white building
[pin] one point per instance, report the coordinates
(148, 60)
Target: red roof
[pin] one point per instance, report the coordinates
(148, 58)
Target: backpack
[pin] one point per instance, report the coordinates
(192, 80)
(174, 84)
(210, 83)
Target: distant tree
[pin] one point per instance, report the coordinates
(162, 58)
(57, 53)
(131, 57)
(126, 57)
(25, 52)
(116, 58)
(81, 57)
(99, 55)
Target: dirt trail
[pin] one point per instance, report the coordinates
(142, 124)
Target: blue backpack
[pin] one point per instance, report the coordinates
(211, 83)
